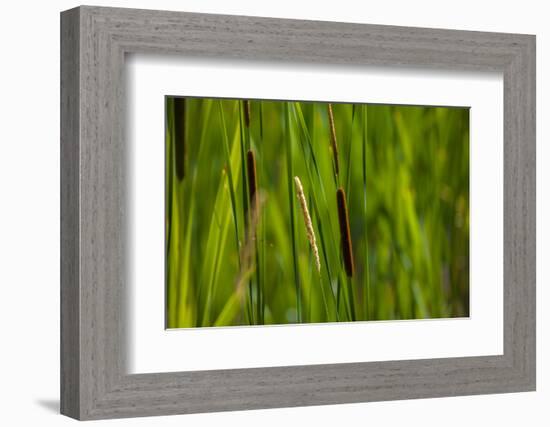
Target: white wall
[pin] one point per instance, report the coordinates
(29, 224)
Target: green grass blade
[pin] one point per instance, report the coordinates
(292, 215)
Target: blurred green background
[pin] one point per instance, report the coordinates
(405, 174)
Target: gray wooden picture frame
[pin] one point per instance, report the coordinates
(94, 382)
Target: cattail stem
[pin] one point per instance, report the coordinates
(307, 220)
(347, 251)
(253, 213)
(333, 142)
(246, 105)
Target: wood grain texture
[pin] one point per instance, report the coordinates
(95, 238)
(70, 221)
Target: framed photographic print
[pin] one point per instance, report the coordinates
(262, 213)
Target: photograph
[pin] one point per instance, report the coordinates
(292, 212)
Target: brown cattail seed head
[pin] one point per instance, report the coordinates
(179, 136)
(343, 219)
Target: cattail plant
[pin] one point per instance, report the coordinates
(252, 180)
(179, 136)
(248, 247)
(347, 250)
(246, 103)
(333, 143)
(307, 220)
